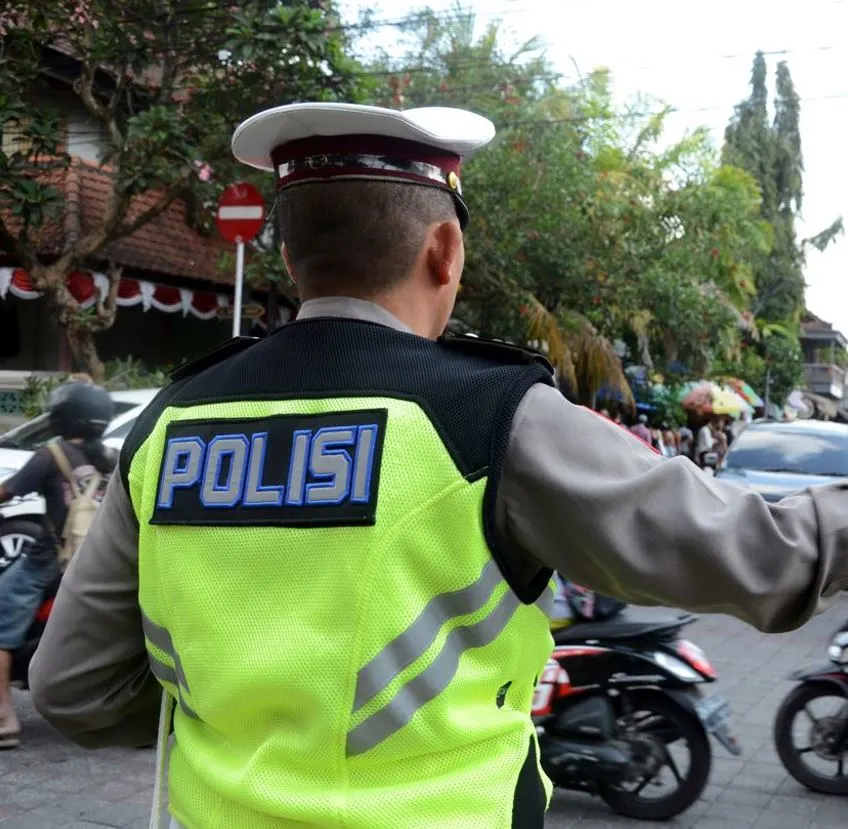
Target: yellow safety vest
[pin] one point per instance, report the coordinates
(323, 590)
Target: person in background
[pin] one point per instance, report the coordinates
(669, 439)
(685, 441)
(78, 412)
(658, 442)
(641, 430)
(704, 444)
(720, 444)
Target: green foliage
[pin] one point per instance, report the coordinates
(121, 375)
(668, 410)
(784, 362)
(583, 230)
(771, 152)
(129, 373)
(776, 357)
(35, 394)
(163, 82)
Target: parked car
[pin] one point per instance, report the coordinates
(21, 518)
(778, 459)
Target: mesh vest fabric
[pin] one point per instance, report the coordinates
(297, 706)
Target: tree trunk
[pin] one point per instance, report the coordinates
(84, 351)
(79, 329)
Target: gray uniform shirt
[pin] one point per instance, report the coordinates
(578, 493)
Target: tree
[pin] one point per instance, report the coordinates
(583, 231)
(165, 80)
(771, 153)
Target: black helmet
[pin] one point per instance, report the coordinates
(80, 410)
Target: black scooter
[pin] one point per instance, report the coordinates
(821, 730)
(613, 699)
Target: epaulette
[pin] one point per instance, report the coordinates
(499, 350)
(212, 357)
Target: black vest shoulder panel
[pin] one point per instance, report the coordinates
(469, 393)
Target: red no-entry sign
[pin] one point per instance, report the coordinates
(241, 212)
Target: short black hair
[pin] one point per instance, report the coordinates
(357, 238)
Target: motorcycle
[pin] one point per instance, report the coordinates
(15, 535)
(612, 700)
(826, 734)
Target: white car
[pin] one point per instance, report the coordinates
(21, 518)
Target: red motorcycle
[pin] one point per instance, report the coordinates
(615, 698)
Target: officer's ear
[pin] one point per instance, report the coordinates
(288, 263)
(445, 252)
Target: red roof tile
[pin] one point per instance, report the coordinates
(165, 245)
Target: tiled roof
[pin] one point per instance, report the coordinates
(810, 322)
(165, 245)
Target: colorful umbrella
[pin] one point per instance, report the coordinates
(710, 398)
(745, 392)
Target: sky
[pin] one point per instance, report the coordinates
(696, 57)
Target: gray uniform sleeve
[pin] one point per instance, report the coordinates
(584, 497)
(90, 677)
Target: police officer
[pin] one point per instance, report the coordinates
(333, 547)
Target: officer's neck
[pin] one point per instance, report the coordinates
(394, 310)
(419, 317)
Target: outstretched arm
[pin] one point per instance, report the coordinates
(582, 496)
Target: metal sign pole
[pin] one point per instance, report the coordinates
(239, 287)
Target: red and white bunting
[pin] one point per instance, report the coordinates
(87, 287)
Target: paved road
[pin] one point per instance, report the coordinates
(49, 783)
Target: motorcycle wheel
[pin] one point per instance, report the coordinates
(686, 726)
(791, 756)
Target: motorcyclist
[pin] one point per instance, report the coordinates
(79, 412)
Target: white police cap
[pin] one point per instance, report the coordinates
(320, 142)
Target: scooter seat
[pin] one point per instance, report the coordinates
(623, 626)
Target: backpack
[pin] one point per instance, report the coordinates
(81, 509)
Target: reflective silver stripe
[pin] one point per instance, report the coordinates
(165, 673)
(162, 672)
(402, 651)
(432, 681)
(161, 639)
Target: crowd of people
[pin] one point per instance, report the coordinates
(704, 436)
